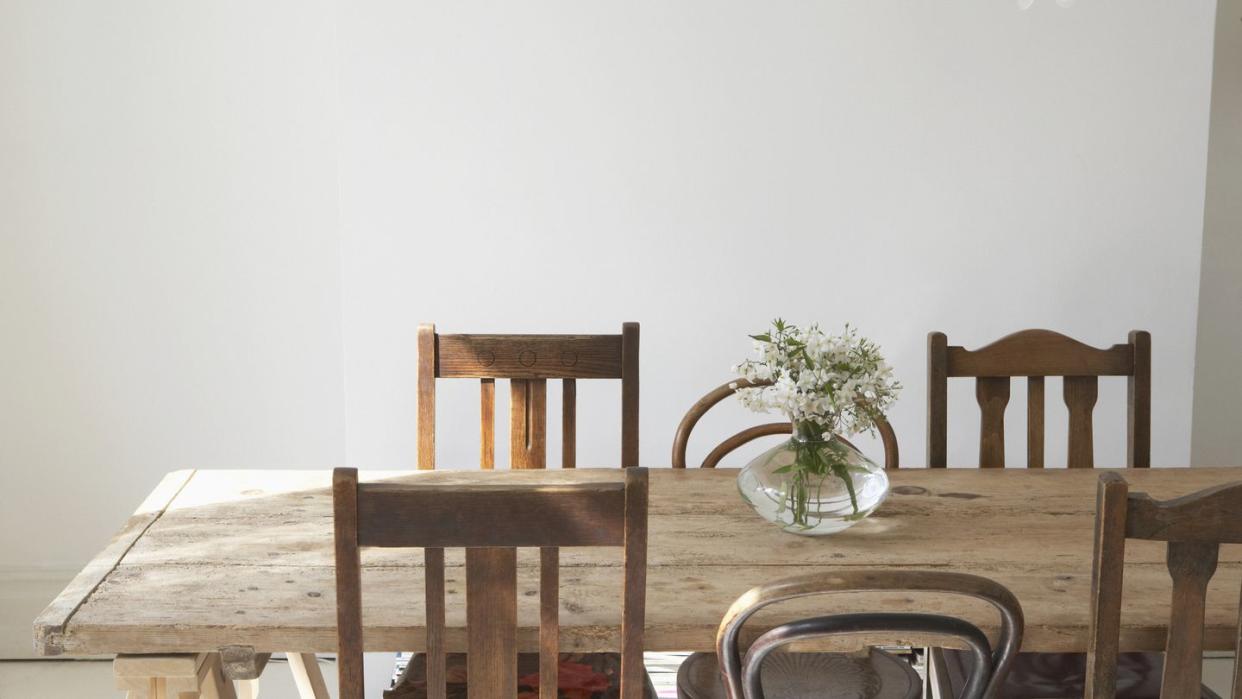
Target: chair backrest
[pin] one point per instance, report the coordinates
(527, 361)
(700, 408)
(1194, 526)
(991, 666)
(1036, 354)
(438, 516)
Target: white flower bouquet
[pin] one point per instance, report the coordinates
(826, 385)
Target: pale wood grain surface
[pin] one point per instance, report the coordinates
(245, 558)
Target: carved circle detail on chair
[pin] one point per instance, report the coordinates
(569, 358)
(485, 357)
(528, 358)
(700, 408)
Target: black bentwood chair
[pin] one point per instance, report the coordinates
(745, 677)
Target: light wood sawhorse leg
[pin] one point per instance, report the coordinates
(306, 674)
(178, 676)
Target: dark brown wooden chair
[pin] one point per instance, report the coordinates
(698, 677)
(749, 677)
(527, 361)
(439, 516)
(682, 439)
(1036, 354)
(1194, 527)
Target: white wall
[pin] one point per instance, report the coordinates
(704, 166)
(1218, 376)
(221, 222)
(169, 277)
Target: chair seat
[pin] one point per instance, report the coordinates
(821, 675)
(1064, 675)
(580, 676)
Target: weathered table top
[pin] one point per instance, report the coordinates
(219, 558)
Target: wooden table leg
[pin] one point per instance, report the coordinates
(306, 674)
(214, 684)
(181, 676)
(161, 676)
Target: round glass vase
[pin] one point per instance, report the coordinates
(813, 487)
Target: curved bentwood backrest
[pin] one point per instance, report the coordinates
(741, 676)
(700, 408)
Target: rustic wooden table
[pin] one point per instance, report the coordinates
(242, 561)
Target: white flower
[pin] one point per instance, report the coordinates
(839, 382)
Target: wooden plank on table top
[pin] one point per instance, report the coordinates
(49, 626)
(197, 607)
(268, 535)
(697, 518)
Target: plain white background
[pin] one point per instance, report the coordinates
(221, 224)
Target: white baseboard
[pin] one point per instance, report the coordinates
(24, 592)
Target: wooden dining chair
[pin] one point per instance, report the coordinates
(1035, 355)
(682, 439)
(697, 678)
(748, 676)
(439, 516)
(527, 362)
(1194, 527)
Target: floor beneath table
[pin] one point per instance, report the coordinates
(92, 679)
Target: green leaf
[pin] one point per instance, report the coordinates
(762, 338)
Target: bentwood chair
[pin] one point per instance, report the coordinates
(434, 517)
(1036, 355)
(682, 439)
(698, 677)
(748, 676)
(1194, 527)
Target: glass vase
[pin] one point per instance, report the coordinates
(813, 486)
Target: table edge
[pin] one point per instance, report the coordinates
(49, 626)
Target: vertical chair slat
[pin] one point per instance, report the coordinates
(491, 621)
(1106, 581)
(549, 621)
(1237, 658)
(1138, 400)
(528, 423)
(1035, 422)
(937, 400)
(634, 596)
(629, 395)
(992, 393)
(487, 423)
(1191, 564)
(1080, 397)
(426, 417)
(348, 582)
(437, 679)
(569, 423)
